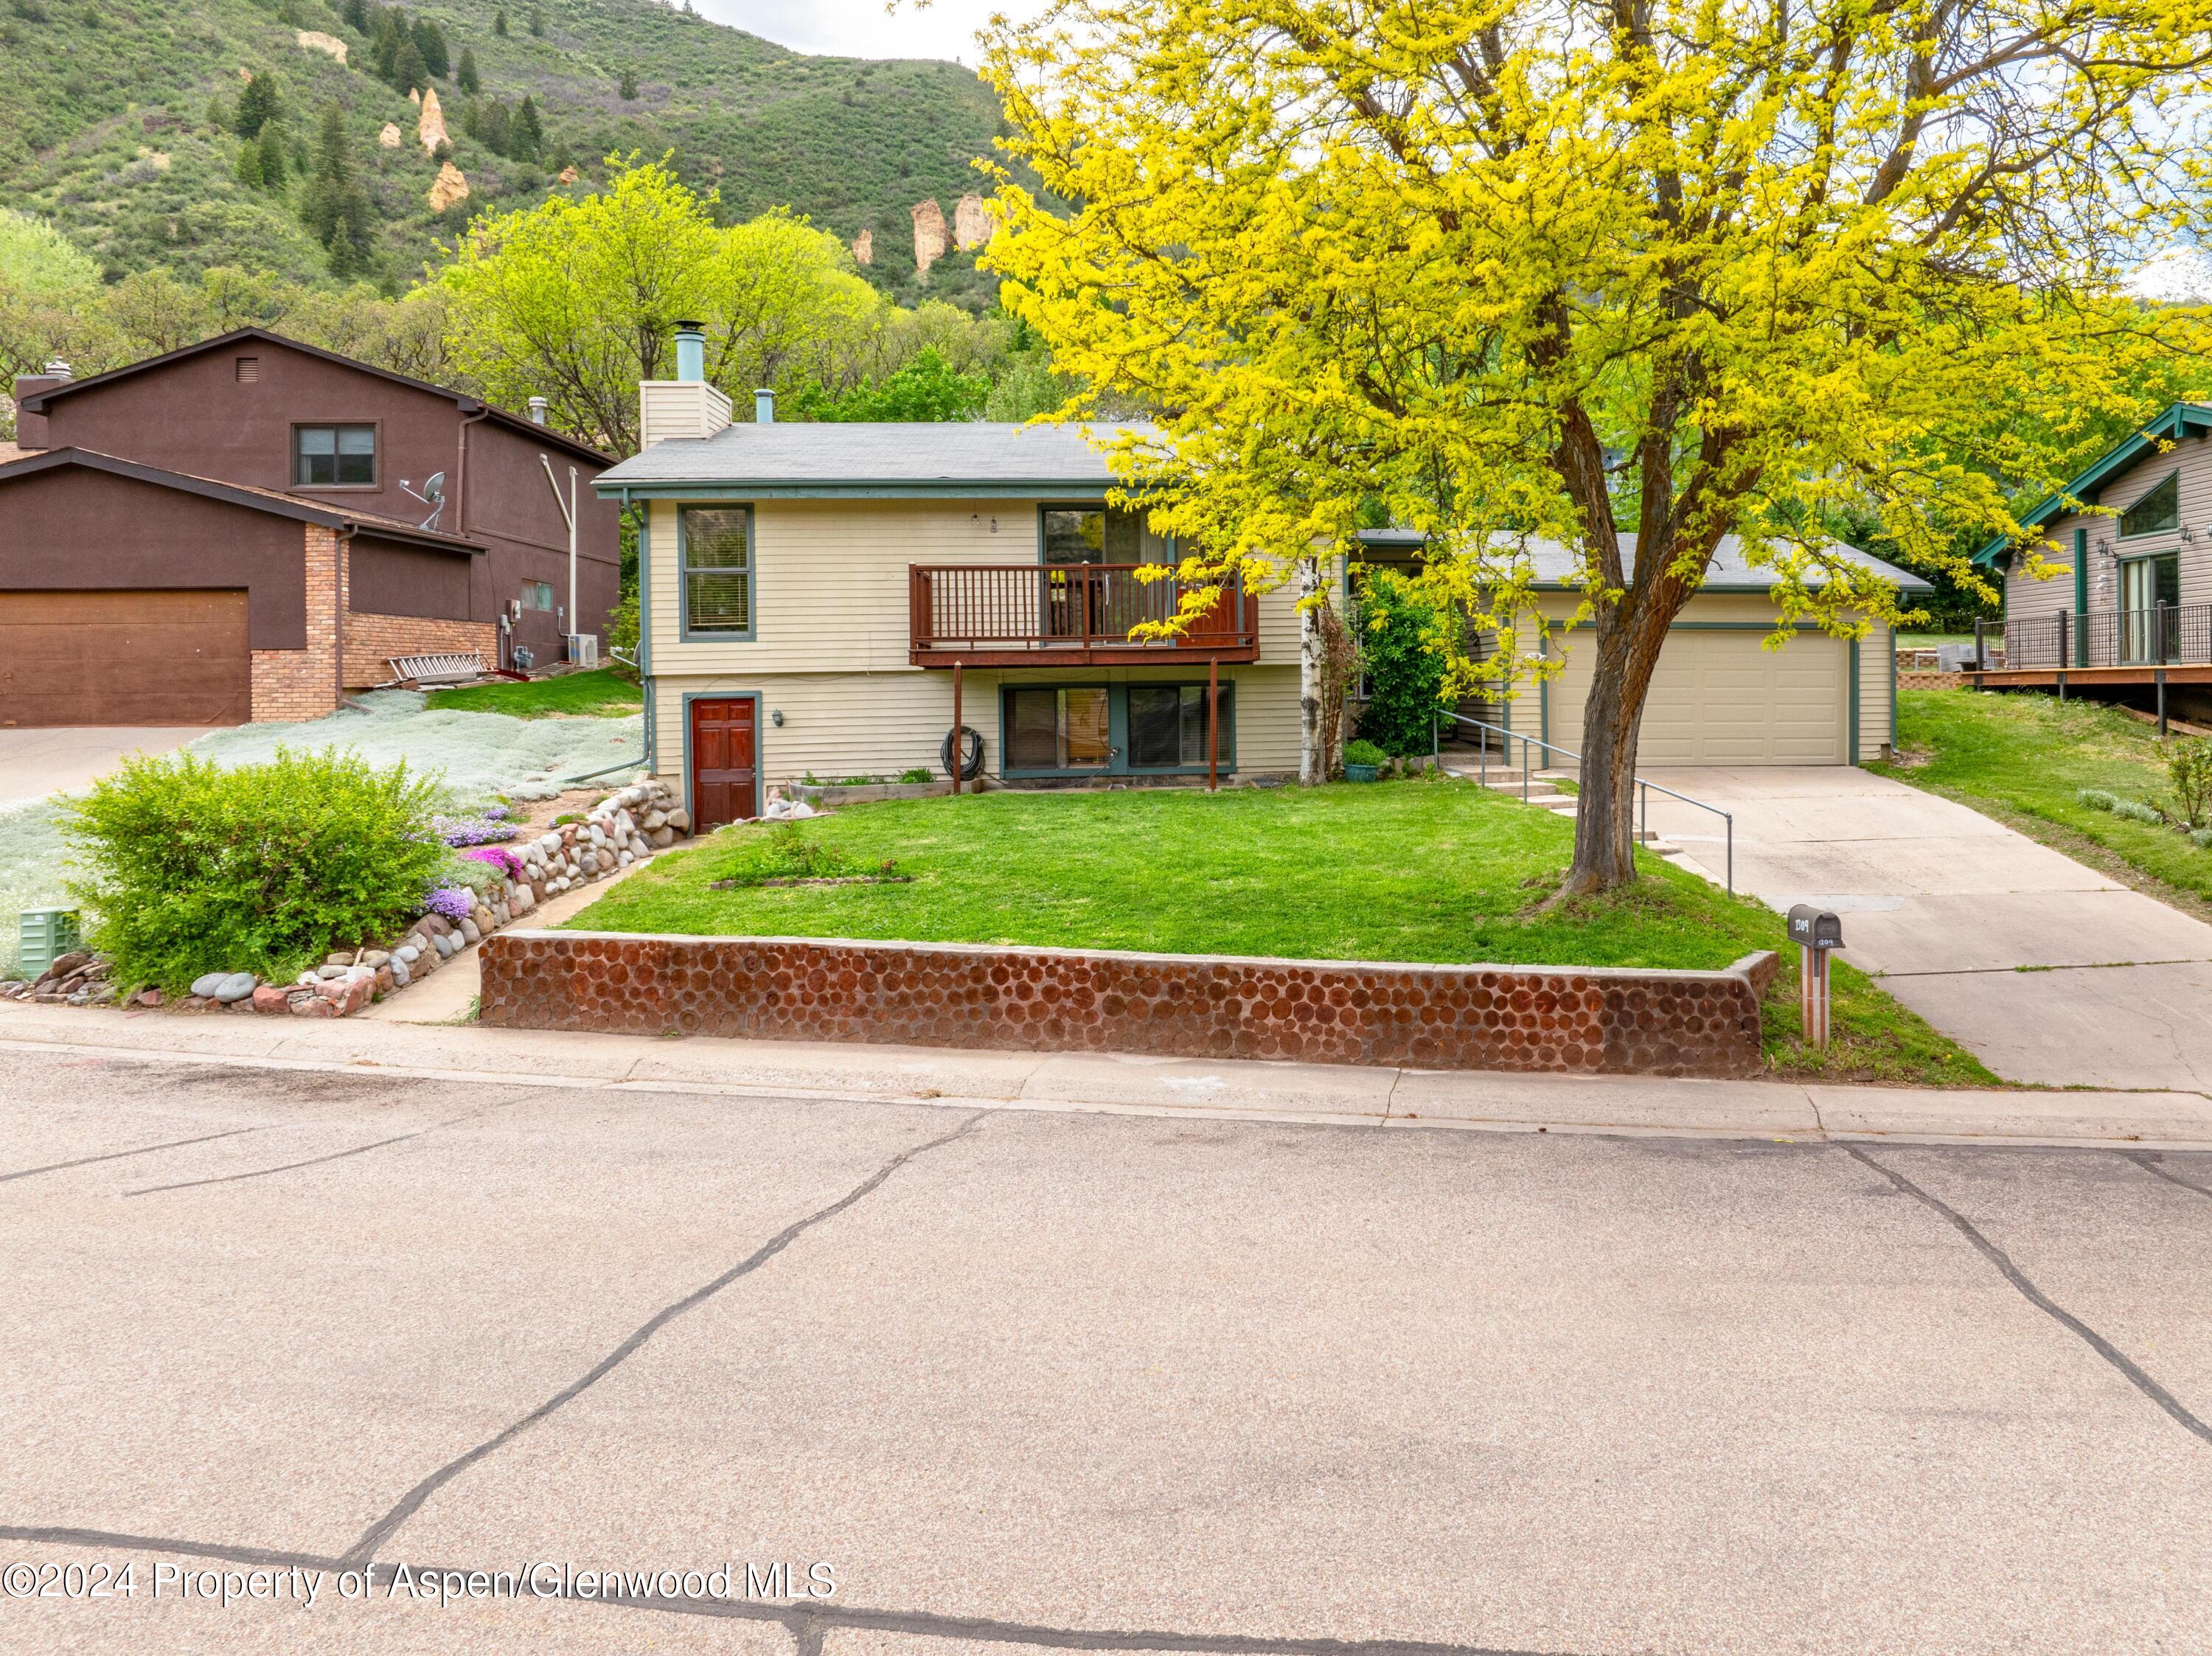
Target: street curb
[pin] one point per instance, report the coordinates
(1062, 1083)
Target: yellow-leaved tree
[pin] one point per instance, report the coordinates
(1631, 277)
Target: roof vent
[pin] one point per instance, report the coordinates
(764, 406)
(537, 410)
(57, 369)
(249, 370)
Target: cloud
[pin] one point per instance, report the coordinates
(861, 28)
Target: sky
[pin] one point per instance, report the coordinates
(860, 28)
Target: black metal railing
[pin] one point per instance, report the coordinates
(2165, 635)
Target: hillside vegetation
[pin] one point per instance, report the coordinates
(119, 121)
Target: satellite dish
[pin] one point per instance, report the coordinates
(432, 495)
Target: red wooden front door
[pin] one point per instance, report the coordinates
(724, 769)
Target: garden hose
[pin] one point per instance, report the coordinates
(972, 753)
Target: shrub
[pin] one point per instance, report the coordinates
(455, 902)
(2189, 767)
(2134, 810)
(1403, 637)
(2097, 799)
(1365, 753)
(2202, 838)
(190, 868)
(918, 774)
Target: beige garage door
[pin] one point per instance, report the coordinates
(163, 658)
(1719, 699)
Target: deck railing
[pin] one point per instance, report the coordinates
(2166, 635)
(985, 609)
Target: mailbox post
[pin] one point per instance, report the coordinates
(1815, 931)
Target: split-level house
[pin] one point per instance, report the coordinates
(249, 527)
(2128, 612)
(833, 600)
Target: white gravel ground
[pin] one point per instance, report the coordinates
(476, 754)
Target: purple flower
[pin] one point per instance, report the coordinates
(455, 902)
(500, 857)
(473, 830)
(494, 813)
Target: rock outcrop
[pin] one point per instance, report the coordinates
(431, 129)
(315, 41)
(449, 186)
(390, 137)
(864, 247)
(972, 224)
(930, 241)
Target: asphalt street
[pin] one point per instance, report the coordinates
(1014, 1382)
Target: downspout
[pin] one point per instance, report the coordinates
(340, 578)
(645, 631)
(500, 639)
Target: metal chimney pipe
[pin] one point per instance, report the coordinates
(537, 410)
(690, 350)
(764, 406)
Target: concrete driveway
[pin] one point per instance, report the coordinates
(36, 762)
(2048, 971)
(1025, 1381)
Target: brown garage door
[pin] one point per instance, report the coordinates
(125, 659)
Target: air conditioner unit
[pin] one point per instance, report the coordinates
(584, 649)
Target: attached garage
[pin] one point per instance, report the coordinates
(1720, 697)
(133, 596)
(131, 657)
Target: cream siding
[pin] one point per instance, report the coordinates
(840, 724)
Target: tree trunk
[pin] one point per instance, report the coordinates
(1313, 740)
(1628, 644)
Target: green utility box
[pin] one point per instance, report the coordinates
(44, 936)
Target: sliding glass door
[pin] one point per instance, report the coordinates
(2150, 590)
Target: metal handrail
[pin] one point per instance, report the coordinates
(1528, 742)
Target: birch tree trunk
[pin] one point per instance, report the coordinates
(1313, 740)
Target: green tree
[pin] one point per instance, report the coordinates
(537, 20)
(334, 205)
(430, 41)
(465, 76)
(488, 121)
(1633, 281)
(246, 169)
(257, 105)
(526, 141)
(1404, 638)
(628, 86)
(498, 23)
(38, 261)
(356, 16)
(927, 388)
(276, 157)
(578, 299)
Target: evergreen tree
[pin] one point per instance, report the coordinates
(247, 168)
(537, 20)
(257, 106)
(334, 205)
(527, 139)
(465, 76)
(489, 123)
(498, 23)
(630, 85)
(218, 114)
(274, 157)
(356, 16)
(430, 41)
(409, 72)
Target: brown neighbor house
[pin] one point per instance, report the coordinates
(245, 529)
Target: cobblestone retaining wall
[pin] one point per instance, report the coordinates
(1580, 1020)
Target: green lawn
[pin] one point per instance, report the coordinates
(1930, 641)
(1413, 871)
(2022, 758)
(601, 693)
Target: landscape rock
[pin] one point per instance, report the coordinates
(147, 997)
(375, 957)
(472, 932)
(443, 944)
(207, 982)
(235, 987)
(328, 972)
(407, 952)
(400, 975)
(74, 961)
(313, 1006)
(343, 957)
(680, 821)
(269, 997)
(433, 926)
(662, 837)
(386, 983)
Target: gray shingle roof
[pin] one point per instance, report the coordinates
(924, 456)
(1554, 564)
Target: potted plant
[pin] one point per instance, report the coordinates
(1363, 761)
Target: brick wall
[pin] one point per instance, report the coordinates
(1581, 1021)
(296, 684)
(371, 641)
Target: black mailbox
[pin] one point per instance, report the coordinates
(1815, 928)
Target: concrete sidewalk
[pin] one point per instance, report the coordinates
(1328, 1094)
